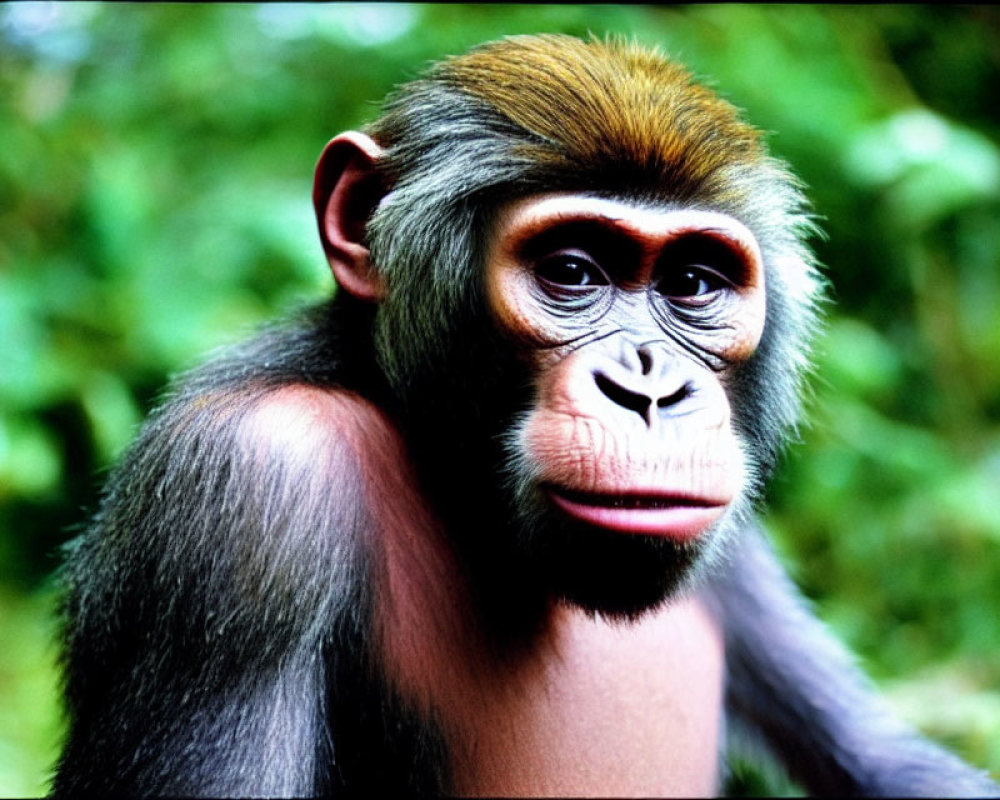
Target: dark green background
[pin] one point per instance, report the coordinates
(155, 169)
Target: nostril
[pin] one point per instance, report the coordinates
(620, 395)
(645, 360)
(676, 397)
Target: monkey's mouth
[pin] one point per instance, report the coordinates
(672, 516)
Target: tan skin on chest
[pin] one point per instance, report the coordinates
(592, 708)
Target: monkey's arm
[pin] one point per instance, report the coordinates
(201, 605)
(790, 680)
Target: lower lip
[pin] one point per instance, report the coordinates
(679, 522)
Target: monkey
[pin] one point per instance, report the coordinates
(484, 521)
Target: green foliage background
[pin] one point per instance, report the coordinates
(155, 169)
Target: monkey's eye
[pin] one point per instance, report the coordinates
(693, 284)
(570, 269)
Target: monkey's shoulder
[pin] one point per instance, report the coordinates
(300, 421)
(324, 435)
(246, 497)
(247, 446)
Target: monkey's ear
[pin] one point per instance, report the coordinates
(346, 191)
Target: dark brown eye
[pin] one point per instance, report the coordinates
(694, 282)
(697, 269)
(570, 269)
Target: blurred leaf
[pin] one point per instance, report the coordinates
(858, 359)
(931, 167)
(30, 464)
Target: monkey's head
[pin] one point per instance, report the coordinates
(594, 306)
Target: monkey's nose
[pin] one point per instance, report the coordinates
(648, 393)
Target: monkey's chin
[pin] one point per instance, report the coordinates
(619, 576)
(673, 517)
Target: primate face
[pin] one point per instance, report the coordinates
(630, 321)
